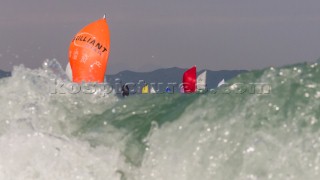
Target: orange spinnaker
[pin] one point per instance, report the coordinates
(89, 52)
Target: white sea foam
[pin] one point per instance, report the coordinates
(54, 136)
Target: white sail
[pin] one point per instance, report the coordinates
(69, 72)
(152, 91)
(181, 89)
(221, 83)
(202, 81)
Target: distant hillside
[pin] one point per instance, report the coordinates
(172, 75)
(165, 76)
(4, 74)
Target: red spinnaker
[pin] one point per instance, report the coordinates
(189, 80)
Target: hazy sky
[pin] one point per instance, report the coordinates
(149, 34)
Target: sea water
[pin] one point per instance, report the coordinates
(223, 136)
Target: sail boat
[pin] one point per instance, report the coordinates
(152, 91)
(69, 72)
(145, 89)
(221, 83)
(201, 81)
(89, 52)
(189, 80)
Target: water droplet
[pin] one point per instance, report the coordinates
(250, 150)
(233, 87)
(313, 121)
(311, 85)
(314, 65)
